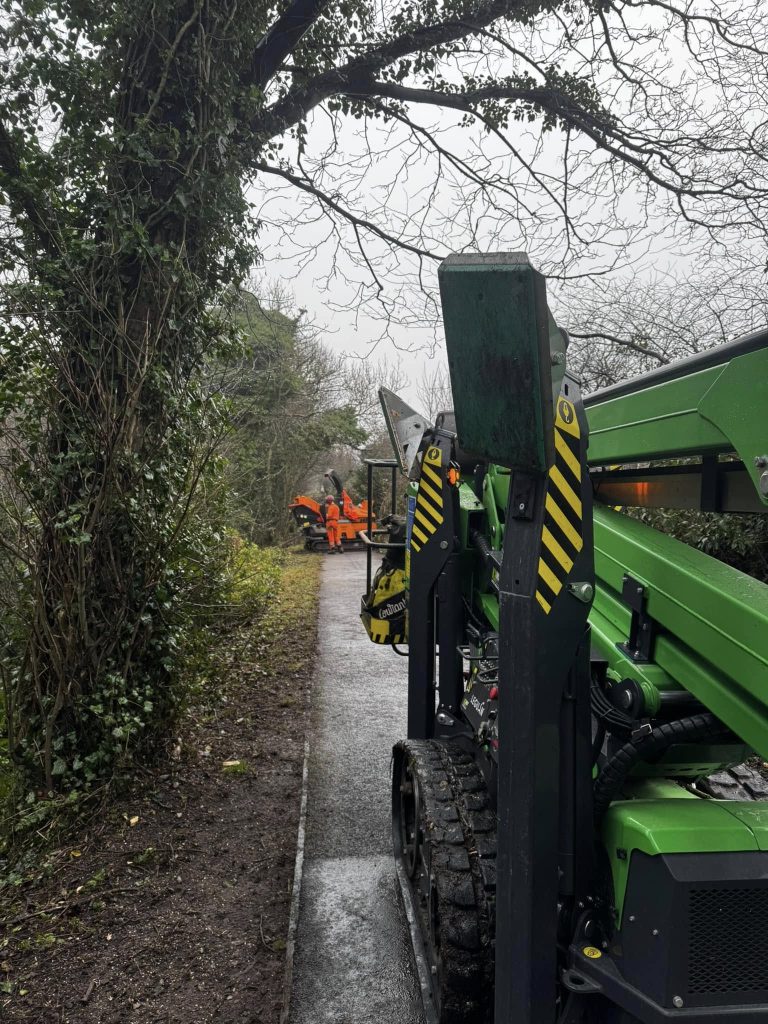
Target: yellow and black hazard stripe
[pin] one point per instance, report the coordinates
(561, 539)
(381, 630)
(428, 514)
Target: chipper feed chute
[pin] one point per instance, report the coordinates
(406, 427)
(577, 813)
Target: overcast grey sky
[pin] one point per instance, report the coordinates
(386, 174)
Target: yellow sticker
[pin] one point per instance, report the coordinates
(592, 952)
(566, 419)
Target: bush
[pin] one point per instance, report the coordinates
(254, 577)
(737, 540)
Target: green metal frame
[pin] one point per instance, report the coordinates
(686, 410)
(713, 621)
(708, 622)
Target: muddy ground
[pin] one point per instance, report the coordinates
(173, 906)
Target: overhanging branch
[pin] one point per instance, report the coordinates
(642, 350)
(283, 37)
(299, 101)
(305, 185)
(603, 132)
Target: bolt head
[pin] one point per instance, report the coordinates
(764, 484)
(443, 544)
(583, 591)
(677, 1001)
(761, 461)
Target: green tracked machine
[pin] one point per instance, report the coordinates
(579, 830)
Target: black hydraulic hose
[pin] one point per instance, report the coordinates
(482, 545)
(486, 553)
(652, 744)
(597, 742)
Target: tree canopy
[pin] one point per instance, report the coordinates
(292, 407)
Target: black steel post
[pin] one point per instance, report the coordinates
(529, 765)
(575, 856)
(368, 548)
(450, 634)
(421, 662)
(545, 593)
(432, 543)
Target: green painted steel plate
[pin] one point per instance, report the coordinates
(684, 825)
(497, 334)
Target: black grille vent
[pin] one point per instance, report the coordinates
(728, 940)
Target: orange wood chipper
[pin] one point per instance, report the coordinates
(310, 516)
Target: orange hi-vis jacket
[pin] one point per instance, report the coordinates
(332, 523)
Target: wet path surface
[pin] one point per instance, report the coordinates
(353, 960)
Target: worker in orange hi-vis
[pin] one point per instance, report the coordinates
(332, 525)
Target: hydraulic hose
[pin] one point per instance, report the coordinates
(482, 545)
(616, 769)
(487, 554)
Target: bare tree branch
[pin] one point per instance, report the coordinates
(623, 342)
(305, 185)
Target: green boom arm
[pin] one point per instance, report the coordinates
(710, 405)
(712, 623)
(709, 621)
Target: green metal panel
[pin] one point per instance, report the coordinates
(737, 404)
(468, 506)
(497, 330)
(644, 425)
(710, 411)
(677, 823)
(495, 493)
(468, 499)
(489, 605)
(713, 619)
(754, 816)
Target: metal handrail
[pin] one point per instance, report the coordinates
(382, 545)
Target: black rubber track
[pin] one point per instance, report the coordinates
(454, 886)
(322, 545)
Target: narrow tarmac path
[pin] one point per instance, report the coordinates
(353, 962)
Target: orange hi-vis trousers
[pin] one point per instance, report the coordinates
(332, 525)
(334, 534)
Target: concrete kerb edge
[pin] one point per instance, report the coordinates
(298, 872)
